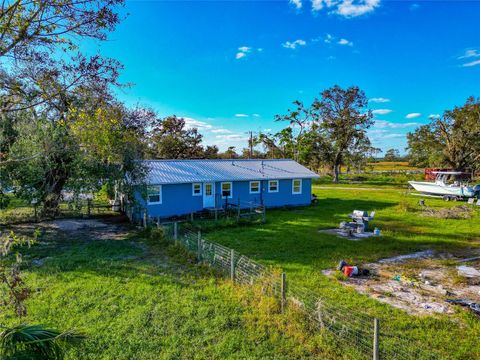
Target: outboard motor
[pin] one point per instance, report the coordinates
(476, 189)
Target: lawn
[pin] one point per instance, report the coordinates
(290, 240)
(136, 298)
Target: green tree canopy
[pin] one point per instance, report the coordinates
(450, 141)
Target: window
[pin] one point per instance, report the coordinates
(196, 189)
(273, 186)
(296, 186)
(208, 189)
(254, 187)
(154, 194)
(226, 189)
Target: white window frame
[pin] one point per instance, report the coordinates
(231, 189)
(160, 195)
(259, 187)
(269, 186)
(193, 189)
(293, 187)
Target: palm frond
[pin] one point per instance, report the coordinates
(36, 341)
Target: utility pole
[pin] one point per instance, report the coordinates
(251, 144)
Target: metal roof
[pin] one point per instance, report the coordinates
(188, 171)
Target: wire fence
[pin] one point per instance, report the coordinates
(361, 334)
(23, 211)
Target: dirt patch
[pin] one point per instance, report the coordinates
(419, 283)
(345, 235)
(456, 212)
(74, 224)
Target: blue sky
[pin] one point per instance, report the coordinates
(230, 66)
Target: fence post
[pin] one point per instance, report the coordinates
(199, 246)
(238, 210)
(283, 290)
(145, 218)
(264, 216)
(376, 331)
(88, 206)
(191, 216)
(175, 231)
(232, 265)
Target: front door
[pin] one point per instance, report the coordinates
(209, 195)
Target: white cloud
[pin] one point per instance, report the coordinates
(383, 134)
(256, 115)
(379, 100)
(413, 115)
(469, 54)
(352, 8)
(228, 139)
(393, 136)
(221, 131)
(328, 38)
(434, 116)
(296, 3)
(242, 52)
(193, 123)
(317, 5)
(472, 63)
(381, 111)
(382, 124)
(241, 115)
(294, 44)
(345, 42)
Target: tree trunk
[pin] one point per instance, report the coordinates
(55, 180)
(336, 172)
(52, 199)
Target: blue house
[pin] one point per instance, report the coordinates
(179, 187)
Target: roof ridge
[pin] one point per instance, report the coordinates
(224, 160)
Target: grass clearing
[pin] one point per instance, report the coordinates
(291, 240)
(138, 298)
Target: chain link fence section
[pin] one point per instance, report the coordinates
(348, 327)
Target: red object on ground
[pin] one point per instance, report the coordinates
(348, 270)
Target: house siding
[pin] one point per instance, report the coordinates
(177, 199)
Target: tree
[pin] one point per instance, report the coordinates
(450, 141)
(230, 153)
(392, 155)
(171, 139)
(211, 152)
(92, 141)
(39, 39)
(341, 119)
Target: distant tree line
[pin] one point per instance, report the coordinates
(330, 132)
(451, 141)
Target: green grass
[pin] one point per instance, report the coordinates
(366, 179)
(21, 211)
(138, 299)
(290, 240)
(391, 165)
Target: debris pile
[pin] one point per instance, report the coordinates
(423, 282)
(456, 212)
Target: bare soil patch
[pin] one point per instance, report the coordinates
(419, 283)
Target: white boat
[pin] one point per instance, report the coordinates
(448, 185)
